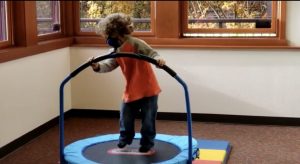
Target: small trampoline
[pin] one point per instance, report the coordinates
(168, 149)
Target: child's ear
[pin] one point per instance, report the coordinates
(130, 28)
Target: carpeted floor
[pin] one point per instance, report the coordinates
(252, 144)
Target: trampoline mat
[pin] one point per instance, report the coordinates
(98, 153)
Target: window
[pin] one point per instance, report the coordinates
(90, 12)
(230, 19)
(48, 17)
(3, 21)
(26, 36)
(5, 37)
(40, 26)
(196, 23)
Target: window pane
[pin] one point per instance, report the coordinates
(48, 17)
(92, 11)
(3, 21)
(229, 14)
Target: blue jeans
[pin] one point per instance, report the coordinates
(147, 107)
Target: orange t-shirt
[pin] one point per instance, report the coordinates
(140, 78)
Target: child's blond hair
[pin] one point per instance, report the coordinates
(114, 25)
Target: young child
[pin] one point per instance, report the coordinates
(142, 89)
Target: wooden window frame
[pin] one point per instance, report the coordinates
(25, 41)
(167, 32)
(166, 10)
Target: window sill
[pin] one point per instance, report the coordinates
(13, 53)
(216, 43)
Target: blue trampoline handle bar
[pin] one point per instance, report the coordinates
(117, 55)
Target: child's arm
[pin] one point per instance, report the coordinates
(145, 49)
(104, 66)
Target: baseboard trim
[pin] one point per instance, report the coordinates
(12, 146)
(93, 113)
(199, 117)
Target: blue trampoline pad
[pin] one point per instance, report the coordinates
(169, 149)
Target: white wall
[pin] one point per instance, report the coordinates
(92, 90)
(29, 92)
(239, 82)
